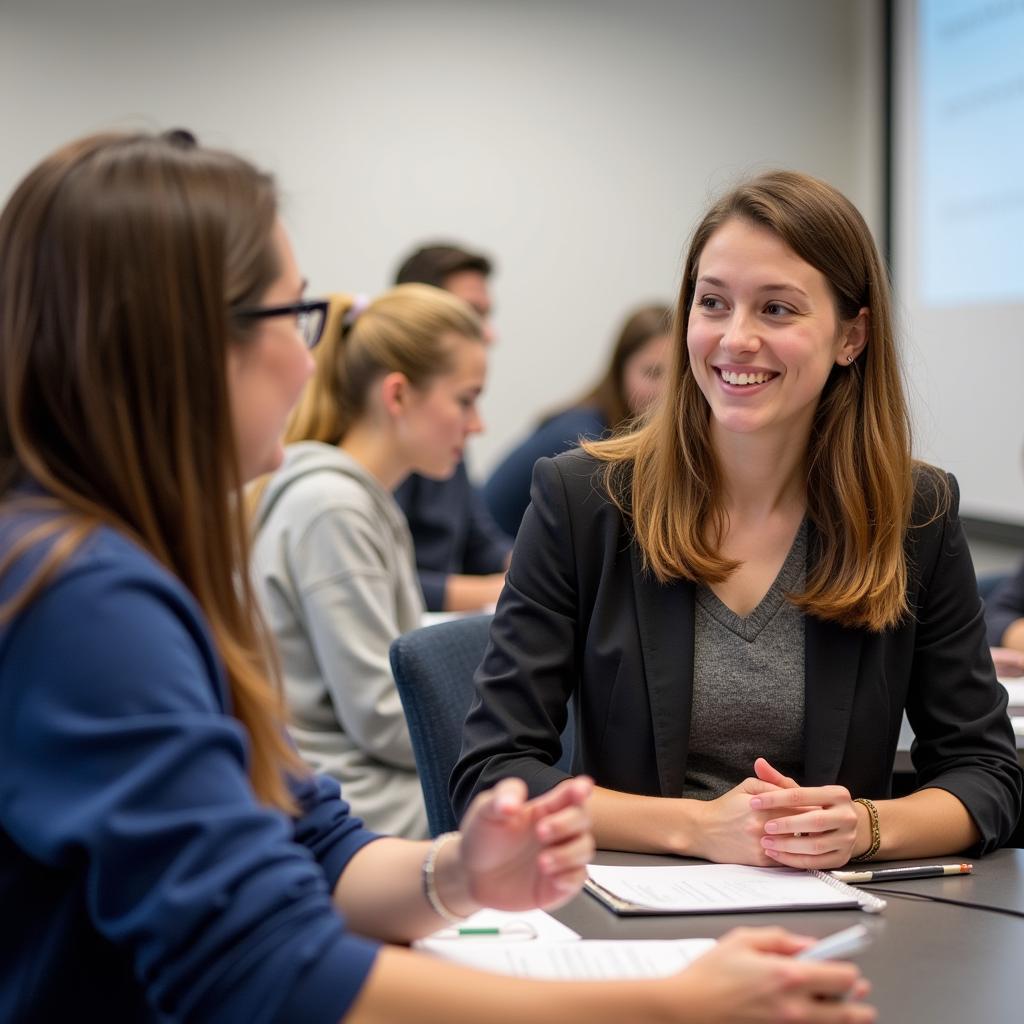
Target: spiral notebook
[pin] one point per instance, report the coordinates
(720, 889)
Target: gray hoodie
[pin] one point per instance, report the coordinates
(336, 574)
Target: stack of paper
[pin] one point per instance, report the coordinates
(720, 889)
(1015, 691)
(534, 945)
(591, 960)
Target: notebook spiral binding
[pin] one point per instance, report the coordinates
(869, 903)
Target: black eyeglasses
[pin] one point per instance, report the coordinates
(310, 317)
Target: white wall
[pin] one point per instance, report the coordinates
(576, 140)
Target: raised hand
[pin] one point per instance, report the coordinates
(518, 853)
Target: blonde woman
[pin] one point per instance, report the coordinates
(747, 593)
(394, 391)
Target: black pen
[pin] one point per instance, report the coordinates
(897, 874)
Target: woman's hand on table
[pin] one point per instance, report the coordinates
(1008, 661)
(750, 977)
(805, 827)
(729, 830)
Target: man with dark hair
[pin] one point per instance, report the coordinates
(432, 264)
(461, 554)
(456, 270)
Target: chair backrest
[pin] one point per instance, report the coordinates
(433, 669)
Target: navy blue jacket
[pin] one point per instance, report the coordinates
(140, 879)
(452, 531)
(507, 491)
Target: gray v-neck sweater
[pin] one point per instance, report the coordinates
(748, 684)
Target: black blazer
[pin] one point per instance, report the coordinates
(580, 618)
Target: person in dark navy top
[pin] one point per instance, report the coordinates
(1004, 621)
(461, 553)
(164, 856)
(629, 386)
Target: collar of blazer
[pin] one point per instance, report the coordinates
(665, 623)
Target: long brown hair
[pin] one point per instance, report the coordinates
(608, 395)
(408, 329)
(121, 258)
(860, 474)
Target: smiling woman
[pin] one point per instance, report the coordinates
(394, 391)
(745, 594)
(764, 333)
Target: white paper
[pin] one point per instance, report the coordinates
(590, 960)
(535, 926)
(716, 887)
(436, 618)
(1015, 688)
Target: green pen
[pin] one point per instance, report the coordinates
(516, 930)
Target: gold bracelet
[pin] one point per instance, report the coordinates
(430, 885)
(876, 832)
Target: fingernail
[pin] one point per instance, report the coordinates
(771, 853)
(771, 826)
(756, 803)
(768, 844)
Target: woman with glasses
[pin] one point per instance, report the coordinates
(310, 316)
(394, 392)
(164, 855)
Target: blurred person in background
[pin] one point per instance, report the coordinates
(394, 391)
(461, 553)
(631, 383)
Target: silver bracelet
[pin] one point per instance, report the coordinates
(430, 885)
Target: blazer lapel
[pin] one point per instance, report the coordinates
(665, 623)
(831, 663)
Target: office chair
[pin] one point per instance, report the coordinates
(433, 669)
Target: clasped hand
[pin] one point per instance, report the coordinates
(769, 819)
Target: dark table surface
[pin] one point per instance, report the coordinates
(929, 963)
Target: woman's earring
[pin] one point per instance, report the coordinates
(849, 358)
